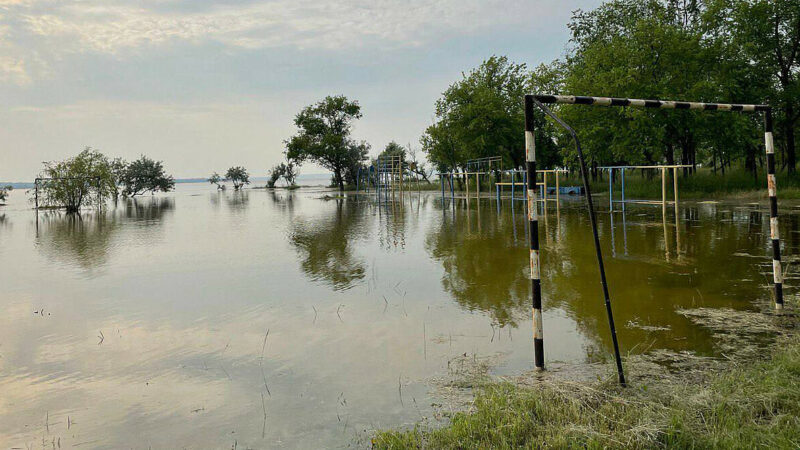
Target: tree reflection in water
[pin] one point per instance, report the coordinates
(325, 245)
(88, 237)
(486, 271)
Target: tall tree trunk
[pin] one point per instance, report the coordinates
(714, 160)
(750, 160)
(339, 179)
(669, 154)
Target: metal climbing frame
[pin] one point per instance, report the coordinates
(661, 168)
(389, 170)
(500, 186)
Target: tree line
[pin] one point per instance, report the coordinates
(728, 51)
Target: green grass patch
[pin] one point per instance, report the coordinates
(755, 405)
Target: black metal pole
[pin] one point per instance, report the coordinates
(593, 221)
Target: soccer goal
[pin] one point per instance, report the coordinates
(533, 102)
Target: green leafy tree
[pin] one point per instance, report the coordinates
(146, 175)
(290, 172)
(481, 115)
(394, 149)
(83, 180)
(4, 192)
(275, 174)
(440, 145)
(324, 137)
(765, 36)
(286, 170)
(238, 176)
(118, 168)
(217, 180)
(484, 110)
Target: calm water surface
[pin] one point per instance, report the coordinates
(283, 319)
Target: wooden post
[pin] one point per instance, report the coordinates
(663, 192)
(675, 188)
(558, 189)
(610, 191)
(544, 194)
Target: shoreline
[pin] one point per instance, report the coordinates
(749, 397)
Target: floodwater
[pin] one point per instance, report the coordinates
(287, 319)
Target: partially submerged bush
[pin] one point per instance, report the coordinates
(146, 175)
(84, 180)
(239, 176)
(4, 192)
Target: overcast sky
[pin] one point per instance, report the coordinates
(204, 85)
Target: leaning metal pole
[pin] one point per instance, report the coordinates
(530, 101)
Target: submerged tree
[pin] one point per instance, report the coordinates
(83, 180)
(275, 174)
(286, 170)
(146, 175)
(4, 192)
(118, 168)
(238, 176)
(324, 137)
(218, 180)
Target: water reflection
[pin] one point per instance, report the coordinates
(326, 244)
(82, 239)
(150, 209)
(87, 239)
(169, 339)
(237, 200)
(485, 272)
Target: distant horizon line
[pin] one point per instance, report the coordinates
(24, 184)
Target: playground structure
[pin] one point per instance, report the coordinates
(499, 186)
(538, 101)
(663, 169)
(477, 167)
(388, 176)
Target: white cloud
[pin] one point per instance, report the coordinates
(339, 24)
(57, 29)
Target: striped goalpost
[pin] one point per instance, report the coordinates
(539, 101)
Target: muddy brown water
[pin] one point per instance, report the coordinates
(207, 319)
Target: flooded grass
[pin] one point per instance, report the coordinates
(749, 399)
